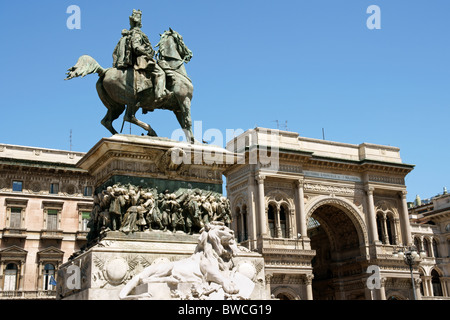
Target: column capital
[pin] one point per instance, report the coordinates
(369, 189)
(260, 178)
(403, 194)
(309, 278)
(299, 182)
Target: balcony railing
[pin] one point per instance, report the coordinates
(22, 295)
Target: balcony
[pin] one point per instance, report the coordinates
(14, 233)
(52, 234)
(31, 295)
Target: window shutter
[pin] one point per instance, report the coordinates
(52, 219)
(15, 218)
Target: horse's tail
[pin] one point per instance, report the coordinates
(85, 65)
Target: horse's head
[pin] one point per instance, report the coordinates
(171, 45)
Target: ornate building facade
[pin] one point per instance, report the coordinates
(430, 224)
(321, 213)
(45, 202)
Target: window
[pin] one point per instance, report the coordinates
(54, 188)
(16, 217)
(244, 220)
(239, 225)
(17, 186)
(435, 249)
(87, 191)
(436, 283)
(49, 277)
(426, 247)
(271, 220)
(52, 219)
(10, 283)
(379, 227)
(85, 216)
(283, 223)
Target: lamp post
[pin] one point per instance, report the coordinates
(409, 255)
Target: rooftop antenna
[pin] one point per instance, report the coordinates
(323, 133)
(278, 124)
(70, 140)
(282, 126)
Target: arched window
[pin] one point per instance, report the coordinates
(390, 228)
(426, 247)
(436, 283)
(10, 282)
(283, 222)
(238, 224)
(49, 277)
(244, 223)
(380, 227)
(417, 244)
(271, 219)
(435, 249)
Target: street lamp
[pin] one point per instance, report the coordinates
(409, 255)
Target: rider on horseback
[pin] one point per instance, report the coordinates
(135, 50)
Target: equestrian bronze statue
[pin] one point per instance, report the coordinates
(142, 78)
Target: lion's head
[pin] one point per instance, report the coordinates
(218, 237)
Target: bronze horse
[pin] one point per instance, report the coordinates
(116, 86)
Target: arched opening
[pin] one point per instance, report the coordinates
(380, 227)
(238, 224)
(436, 283)
(426, 247)
(271, 219)
(435, 249)
(283, 222)
(335, 238)
(244, 223)
(10, 282)
(282, 296)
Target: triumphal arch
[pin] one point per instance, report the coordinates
(321, 213)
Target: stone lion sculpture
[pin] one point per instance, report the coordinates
(207, 264)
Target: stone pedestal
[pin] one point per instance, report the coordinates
(159, 163)
(102, 271)
(112, 258)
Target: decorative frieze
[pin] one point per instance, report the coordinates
(387, 179)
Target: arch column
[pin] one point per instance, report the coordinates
(417, 282)
(251, 213)
(302, 224)
(278, 232)
(430, 243)
(372, 222)
(407, 240)
(383, 288)
(395, 222)
(308, 282)
(385, 229)
(261, 206)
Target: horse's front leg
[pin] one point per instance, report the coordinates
(130, 116)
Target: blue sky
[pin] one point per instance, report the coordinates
(314, 64)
